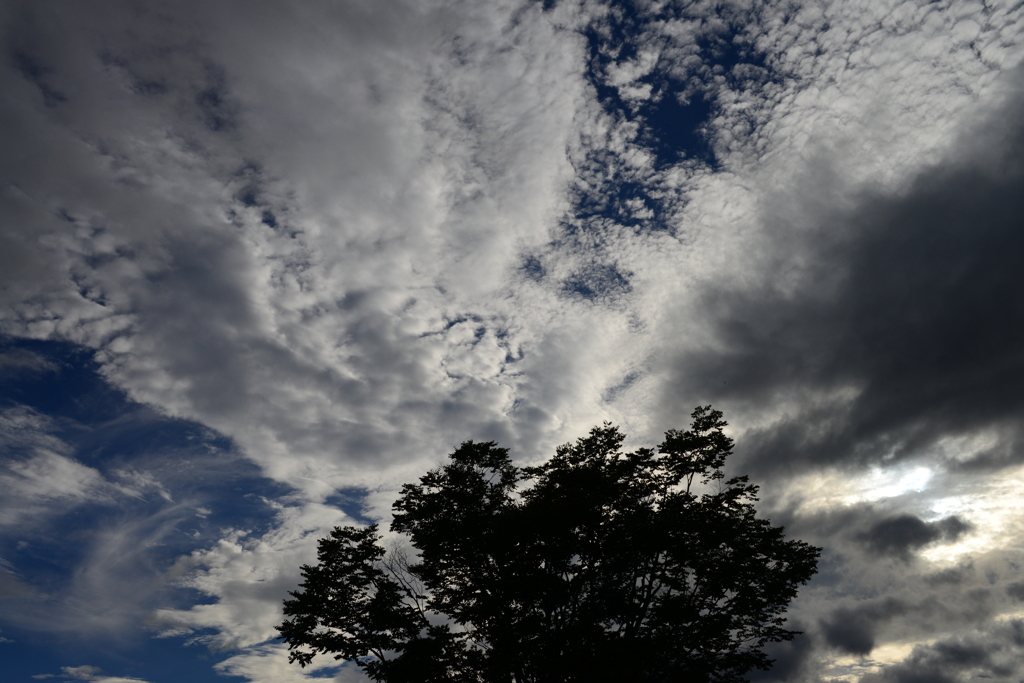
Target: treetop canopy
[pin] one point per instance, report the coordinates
(597, 565)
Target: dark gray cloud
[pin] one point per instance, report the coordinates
(854, 629)
(792, 658)
(877, 530)
(904, 312)
(1016, 590)
(994, 654)
(899, 536)
(36, 74)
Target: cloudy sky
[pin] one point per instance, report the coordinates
(263, 262)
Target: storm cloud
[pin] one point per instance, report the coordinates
(901, 535)
(902, 314)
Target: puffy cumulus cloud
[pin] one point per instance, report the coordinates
(281, 251)
(248, 576)
(883, 83)
(891, 80)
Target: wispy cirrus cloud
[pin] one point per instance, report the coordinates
(86, 673)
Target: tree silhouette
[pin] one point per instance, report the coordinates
(598, 565)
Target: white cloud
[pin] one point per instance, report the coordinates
(87, 673)
(249, 577)
(404, 206)
(269, 664)
(45, 479)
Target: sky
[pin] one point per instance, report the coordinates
(262, 263)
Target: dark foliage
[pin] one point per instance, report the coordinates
(598, 565)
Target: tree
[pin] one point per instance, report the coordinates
(598, 565)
